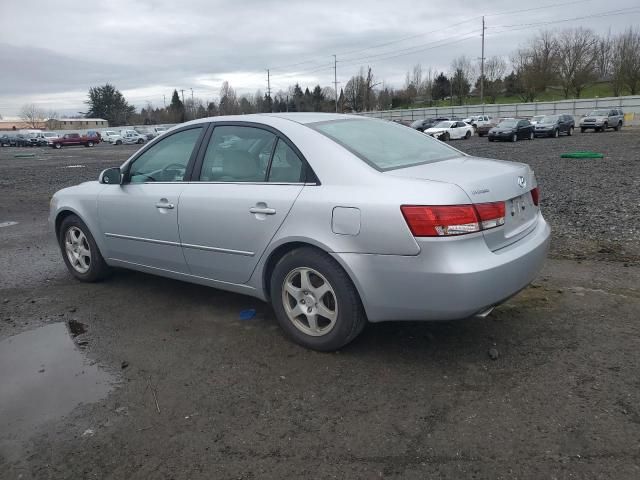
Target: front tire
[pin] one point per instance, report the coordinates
(618, 126)
(514, 137)
(556, 133)
(570, 132)
(80, 251)
(140, 141)
(582, 129)
(314, 300)
(57, 146)
(467, 135)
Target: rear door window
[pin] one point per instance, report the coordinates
(237, 154)
(286, 166)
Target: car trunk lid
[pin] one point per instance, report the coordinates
(484, 181)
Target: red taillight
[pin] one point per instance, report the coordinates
(535, 196)
(444, 220)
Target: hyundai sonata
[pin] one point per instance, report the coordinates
(336, 220)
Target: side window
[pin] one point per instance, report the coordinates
(237, 154)
(286, 166)
(167, 160)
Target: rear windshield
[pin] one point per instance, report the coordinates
(385, 145)
(550, 119)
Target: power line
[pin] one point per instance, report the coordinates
(622, 11)
(545, 7)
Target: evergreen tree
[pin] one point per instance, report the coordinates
(176, 108)
(107, 102)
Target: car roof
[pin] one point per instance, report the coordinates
(266, 118)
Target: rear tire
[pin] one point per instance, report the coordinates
(140, 141)
(447, 137)
(118, 142)
(531, 136)
(582, 129)
(80, 251)
(618, 126)
(556, 133)
(604, 128)
(89, 144)
(57, 146)
(340, 300)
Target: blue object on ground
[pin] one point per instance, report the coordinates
(247, 314)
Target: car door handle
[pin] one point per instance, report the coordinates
(263, 210)
(168, 206)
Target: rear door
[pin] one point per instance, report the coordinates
(242, 190)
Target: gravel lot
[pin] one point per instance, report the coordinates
(160, 379)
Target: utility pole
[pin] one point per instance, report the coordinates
(335, 79)
(164, 100)
(193, 107)
(482, 68)
(182, 92)
(269, 90)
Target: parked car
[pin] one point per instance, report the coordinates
(601, 119)
(22, 140)
(159, 130)
(406, 123)
(483, 129)
(36, 140)
(72, 139)
(147, 133)
(512, 129)
(450, 130)
(111, 136)
(7, 140)
(535, 119)
(131, 137)
(292, 213)
(478, 120)
(424, 124)
(49, 136)
(94, 135)
(554, 125)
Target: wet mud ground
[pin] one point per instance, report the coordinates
(145, 377)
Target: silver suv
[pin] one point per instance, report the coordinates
(603, 118)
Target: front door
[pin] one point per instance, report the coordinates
(139, 219)
(247, 185)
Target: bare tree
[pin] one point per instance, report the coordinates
(604, 54)
(494, 70)
(228, 100)
(462, 76)
(628, 58)
(535, 65)
(577, 59)
(32, 115)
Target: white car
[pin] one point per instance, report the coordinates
(131, 136)
(159, 130)
(451, 129)
(111, 136)
(478, 120)
(536, 119)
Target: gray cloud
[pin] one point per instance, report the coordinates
(147, 48)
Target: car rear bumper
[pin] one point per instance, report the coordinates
(449, 279)
(501, 136)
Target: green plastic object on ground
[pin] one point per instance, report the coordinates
(24, 155)
(582, 155)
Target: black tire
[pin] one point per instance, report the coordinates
(582, 129)
(140, 141)
(118, 142)
(604, 127)
(531, 135)
(618, 127)
(480, 134)
(570, 132)
(57, 146)
(514, 137)
(447, 137)
(467, 135)
(98, 268)
(90, 144)
(490, 139)
(556, 133)
(351, 318)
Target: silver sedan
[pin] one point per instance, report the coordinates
(336, 220)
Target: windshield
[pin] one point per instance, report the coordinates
(442, 125)
(550, 119)
(385, 145)
(508, 123)
(537, 118)
(600, 113)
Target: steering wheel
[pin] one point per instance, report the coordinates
(176, 167)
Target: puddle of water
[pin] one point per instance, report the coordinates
(43, 376)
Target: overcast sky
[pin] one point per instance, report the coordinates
(51, 55)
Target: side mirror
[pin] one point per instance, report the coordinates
(111, 176)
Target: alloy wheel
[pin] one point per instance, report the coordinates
(77, 249)
(309, 301)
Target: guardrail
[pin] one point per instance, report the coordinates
(577, 107)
